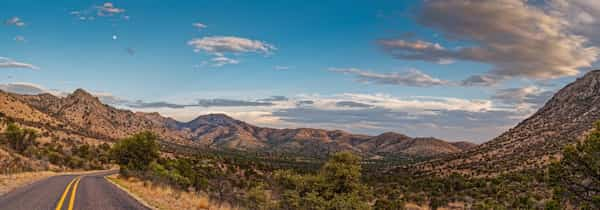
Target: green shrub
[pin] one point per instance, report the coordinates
(19, 138)
(337, 185)
(576, 177)
(137, 151)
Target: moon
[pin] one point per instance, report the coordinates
(114, 37)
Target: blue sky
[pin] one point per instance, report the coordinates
(403, 60)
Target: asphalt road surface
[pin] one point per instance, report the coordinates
(68, 192)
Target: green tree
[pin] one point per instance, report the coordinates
(576, 176)
(19, 138)
(136, 152)
(337, 185)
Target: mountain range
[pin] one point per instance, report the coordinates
(81, 115)
(534, 142)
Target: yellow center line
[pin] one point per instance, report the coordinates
(64, 195)
(73, 192)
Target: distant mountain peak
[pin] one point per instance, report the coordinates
(217, 118)
(81, 93)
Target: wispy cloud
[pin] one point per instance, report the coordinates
(411, 77)
(282, 68)
(23, 88)
(199, 26)
(20, 39)
(483, 80)
(107, 9)
(15, 21)
(222, 60)
(10, 63)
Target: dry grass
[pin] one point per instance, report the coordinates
(10, 182)
(166, 198)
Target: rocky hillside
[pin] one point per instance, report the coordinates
(535, 141)
(86, 113)
(83, 113)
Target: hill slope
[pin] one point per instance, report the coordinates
(535, 141)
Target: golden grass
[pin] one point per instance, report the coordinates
(164, 197)
(10, 182)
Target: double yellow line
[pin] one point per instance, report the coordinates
(64, 195)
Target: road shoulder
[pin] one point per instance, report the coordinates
(11, 182)
(114, 181)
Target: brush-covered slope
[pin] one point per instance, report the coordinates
(564, 119)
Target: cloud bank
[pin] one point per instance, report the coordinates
(515, 37)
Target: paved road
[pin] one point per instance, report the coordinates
(92, 192)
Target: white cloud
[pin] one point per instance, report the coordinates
(230, 44)
(412, 77)
(199, 26)
(220, 46)
(10, 63)
(16, 21)
(108, 9)
(222, 60)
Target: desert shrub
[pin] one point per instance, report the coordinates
(136, 152)
(258, 198)
(160, 173)
(19, 138)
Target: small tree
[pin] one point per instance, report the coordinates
(136, 152)
(576, 176)
(336, 186)
(19, 138)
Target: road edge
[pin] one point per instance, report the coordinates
(27, 184)
(134, 196)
